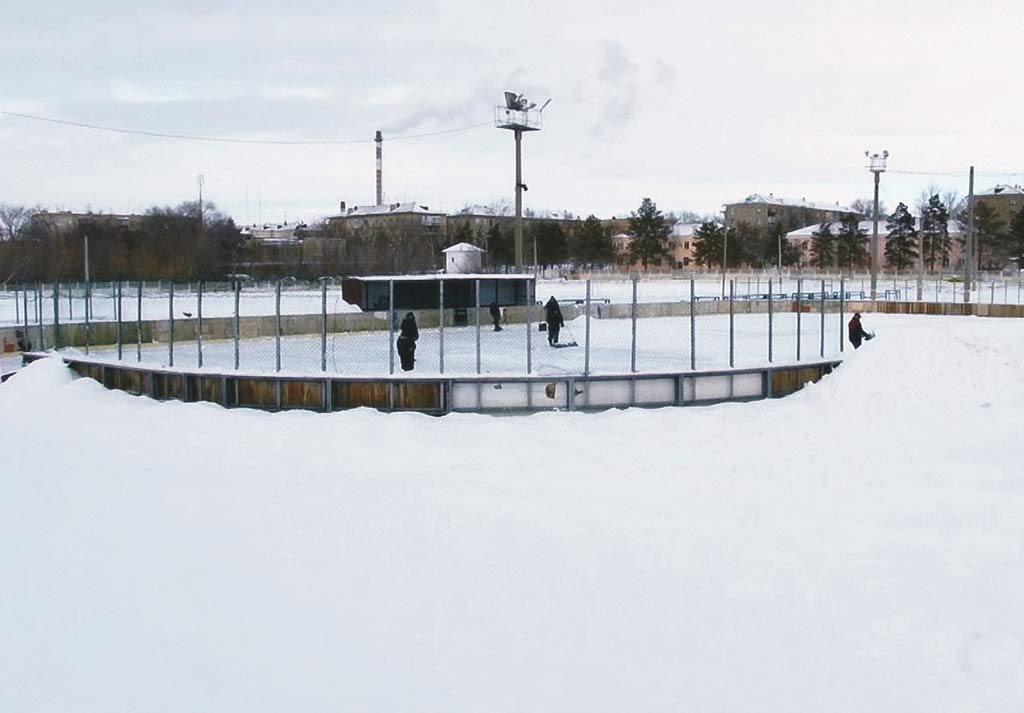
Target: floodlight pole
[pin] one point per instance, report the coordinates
(519, 200)
(877, 167)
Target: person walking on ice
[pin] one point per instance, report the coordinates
(496, 316)
(857, 333)
(553, 316)
(406, 344)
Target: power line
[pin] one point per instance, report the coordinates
(223, 140)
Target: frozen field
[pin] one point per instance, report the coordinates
(854, 547)
(259, 299)
(663, 344)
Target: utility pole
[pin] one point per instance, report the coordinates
(200, 181)
(876, 164)
(970, 247)
(725, 253)
(379, 139)
(519, 200)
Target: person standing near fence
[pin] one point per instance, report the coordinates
(406, 344)
(553, 316)
(496, 316)
(857, 333)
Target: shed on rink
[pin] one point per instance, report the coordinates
(412, 292)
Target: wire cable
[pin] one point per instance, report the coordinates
(224, 140)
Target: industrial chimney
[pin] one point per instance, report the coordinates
(380, 186)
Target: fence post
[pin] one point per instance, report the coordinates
(170, 322)
(477, 325)
(323, 324)
(277, 326)
(529, 329)
(693, 328)
(799, 298)
(440, 326)
(24, 309)
(88, 327)
(632, 348)
(391, 326)
(118, 305)
(822, 335)
(732, 331)
(199, 323)
(842, 314)
(56, 315)
(586, 341)
(71, 303)
(770, 319)
(39, 315)
(138, 324)
(238, 294)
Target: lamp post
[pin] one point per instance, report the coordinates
(876, 164)
(518, 115)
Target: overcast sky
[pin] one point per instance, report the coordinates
(692, 104)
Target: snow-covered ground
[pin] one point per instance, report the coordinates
(260, 300)
(663, 344)
(854, 547)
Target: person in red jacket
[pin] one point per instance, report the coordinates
(857, 333)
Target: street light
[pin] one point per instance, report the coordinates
(518, 115)
(876, 164)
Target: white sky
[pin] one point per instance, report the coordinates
(692, 104)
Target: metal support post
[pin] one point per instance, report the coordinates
(24, 309)
(391, 326)
(771, 321)
(277, 326)
(56, 315)
(39, 315)
(440, 326)
(71, 302)
(237, 322)
(632, 349)
(88, 326)
(693, 330)
(138, 324)
(170, 322)
(529, 332)
(842, 312)
(799, 297)
(323, 324)
(477, 289)
(971, 248)
(199, 323)
(117, 308)
(732, 323)
(822, 335)
(586, 350)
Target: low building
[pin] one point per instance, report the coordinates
(372, 293)
(462, 258)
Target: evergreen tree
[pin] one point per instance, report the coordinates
(1015, 238)
(593, 243)
(501, 249)
(745, 245)
(649, 231)
(823, 246)
(552, 245)
(901, 244)
(851, 243)
(935, 239)
(707, 244)
(994, 248)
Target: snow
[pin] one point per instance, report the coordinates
(853, 547)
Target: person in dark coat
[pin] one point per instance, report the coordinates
(406, 344)
(496, 316)
(857, 333)
(553, 315)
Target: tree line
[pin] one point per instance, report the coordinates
(164, 243)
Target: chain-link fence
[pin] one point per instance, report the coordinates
(606, 327)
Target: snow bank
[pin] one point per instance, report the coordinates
(853, 547)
